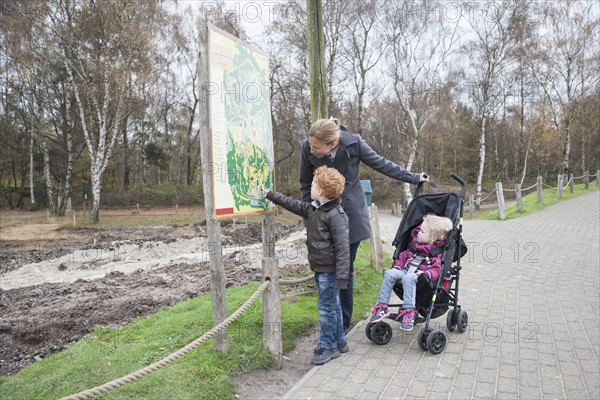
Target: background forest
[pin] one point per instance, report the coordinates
(107, 92)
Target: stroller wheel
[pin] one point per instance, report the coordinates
(436, 342)
(462, 320)
(381, 333)
(422, 338)
(368, 330)
(451, 320)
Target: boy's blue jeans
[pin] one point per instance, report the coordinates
(409, 285)
(331, 335)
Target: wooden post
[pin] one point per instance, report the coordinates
(571, 183)
(560, 186)
(471, 207)
(539, 189)
(519, 196)
(213, 226)
(271, 303)
(376, 247)
(586, 179)
(500, 197)
(597, 177)
(74, 220)
(316, 56)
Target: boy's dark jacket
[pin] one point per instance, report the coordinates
(326, 235)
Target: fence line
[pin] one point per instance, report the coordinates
(169, 359)
(519, 191)
(180, 353)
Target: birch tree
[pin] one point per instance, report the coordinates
(364, 46)
(104, 43)
(567, 63)
(420, 45)
(497, 31)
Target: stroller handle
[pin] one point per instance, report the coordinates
(463, 186)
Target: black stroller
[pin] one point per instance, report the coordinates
(433, 299)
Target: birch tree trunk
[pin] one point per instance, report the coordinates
(481, 161)
(31, 170)
(66, 195)
(100, 150)
(47, 178)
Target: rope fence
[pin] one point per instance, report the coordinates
(539, 184)
(169, 359)
(180, 353)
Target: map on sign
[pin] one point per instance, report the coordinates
(240, 125)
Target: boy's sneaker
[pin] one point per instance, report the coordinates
(325, 356)
(408, 320)
(379, 313)
(343, 349)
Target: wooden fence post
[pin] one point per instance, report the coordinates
(376, 247)
(471, 206)
(213, 226)
(519, 196)
(500, 197)
(571, 183)
(539, 189)
(560, 186)
(586, 179)
(271, 297)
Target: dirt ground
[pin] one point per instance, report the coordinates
(57, 284)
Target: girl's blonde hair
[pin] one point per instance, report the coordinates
(330, 181)
(326, 130)
(438, 226)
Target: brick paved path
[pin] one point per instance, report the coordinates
(531, 288)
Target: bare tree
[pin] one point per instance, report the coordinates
(497, 29)
(364, 46)
(567, 63)
(420, 45)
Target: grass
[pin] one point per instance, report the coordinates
(530, 204)
(107, 353)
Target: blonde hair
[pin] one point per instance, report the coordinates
(326, 130)
(438, 226)
(330, 181)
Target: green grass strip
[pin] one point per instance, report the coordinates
(107, 354)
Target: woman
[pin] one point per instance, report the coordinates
(332, 145)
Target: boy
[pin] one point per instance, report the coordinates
(328, 254)
(430, 235)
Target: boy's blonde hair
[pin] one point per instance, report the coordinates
(330, 181)
(438, 226)
(326, 130)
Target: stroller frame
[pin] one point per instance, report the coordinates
(434, 298)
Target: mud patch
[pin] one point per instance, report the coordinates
(41, 316)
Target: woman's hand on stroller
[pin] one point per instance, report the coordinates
(424, 177)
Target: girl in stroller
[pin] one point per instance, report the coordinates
(422, 257)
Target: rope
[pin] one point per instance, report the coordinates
(491, 193)
(167, 360)
(550, 187)
(522, 190)
(296, 281)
